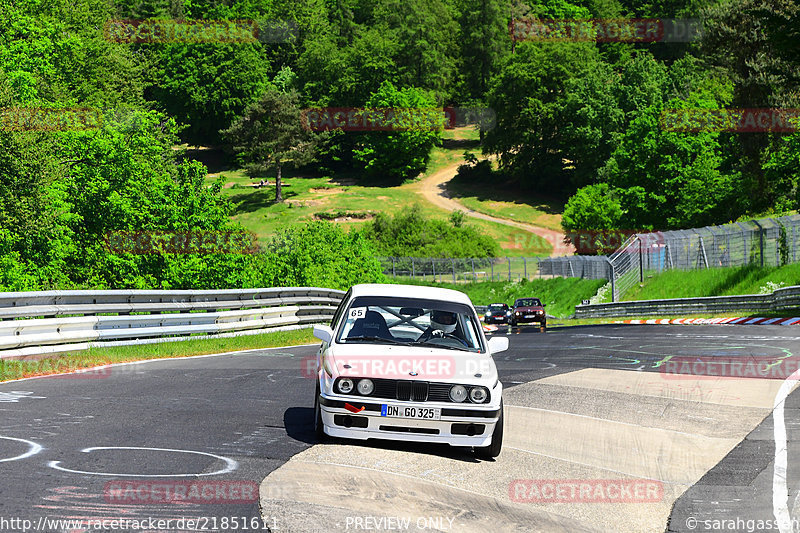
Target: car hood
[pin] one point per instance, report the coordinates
(401, 362)
(530, 309)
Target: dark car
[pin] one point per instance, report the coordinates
(497, 313)
(528, 311)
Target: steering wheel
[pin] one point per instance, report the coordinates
(459, 339)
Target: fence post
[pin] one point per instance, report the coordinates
(393, 271)
(413, 273)
(491, 261)
(613, 282)
(474, 275)
(525, 266)
(641, 265)
(433, 264)
(509, 268)
(703, 251)
(453, 262)
(760, 241)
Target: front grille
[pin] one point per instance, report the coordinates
(408, 390)
(415, 391)
(419, 391)
(439, 392)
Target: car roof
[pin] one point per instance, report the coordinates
(410, 291)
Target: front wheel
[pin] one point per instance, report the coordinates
(319, 427)
(493, 450)
(543, 327)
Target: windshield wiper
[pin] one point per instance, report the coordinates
(462, 347)
(374, 338)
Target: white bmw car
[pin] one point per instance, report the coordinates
(411, 363)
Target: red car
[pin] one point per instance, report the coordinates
(530, 311)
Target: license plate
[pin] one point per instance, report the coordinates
(530, 316)
(405, 411)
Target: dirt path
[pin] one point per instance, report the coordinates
(434, 189)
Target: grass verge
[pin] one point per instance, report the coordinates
(71, 361)
(750, 279)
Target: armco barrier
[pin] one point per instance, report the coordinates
(784, 299)
(54, 321)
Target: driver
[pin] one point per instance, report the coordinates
(442, 323)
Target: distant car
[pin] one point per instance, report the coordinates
(409, 363)
(497, 313)
(528, 311)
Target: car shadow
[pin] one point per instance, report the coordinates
(299, 424)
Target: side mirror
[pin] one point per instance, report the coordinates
(498, 344)
(324, 333)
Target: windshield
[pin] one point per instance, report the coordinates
(528, 302)
(410, 321)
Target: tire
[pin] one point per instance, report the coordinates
(493, 450)
(319, 427)
(543, 327)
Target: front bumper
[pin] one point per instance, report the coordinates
(460, 424)
(495, 319)
(536, 319)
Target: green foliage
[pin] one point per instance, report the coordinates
(55, 51)
(593, 207)
(669, 179)
(399, 155)
(411, 234)
(529, 99)
(207, 85)
(320, 254)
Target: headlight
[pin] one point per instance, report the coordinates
(458, 393)
(345, 385)
(365, 387)
(478, 394)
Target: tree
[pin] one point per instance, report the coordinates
(426, 31)
(593, 207)
(270, 135)
(484, 42)
(401, 154)
(671, 179)
(529, 96)
(756, 43)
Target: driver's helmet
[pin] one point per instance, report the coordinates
(443, 320)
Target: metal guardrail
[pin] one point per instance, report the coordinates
(783, 299)
(54, 321)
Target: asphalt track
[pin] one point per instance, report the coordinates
(582, 403)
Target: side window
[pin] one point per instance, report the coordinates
(338, 314)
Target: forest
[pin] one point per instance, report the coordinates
(579, 118)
